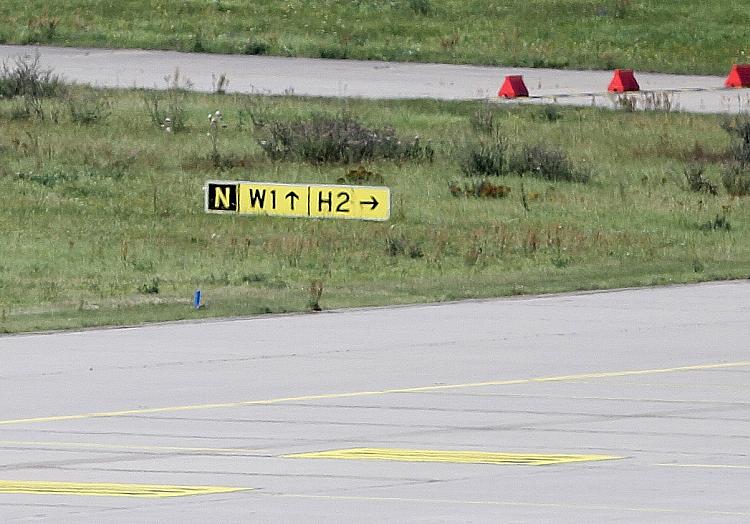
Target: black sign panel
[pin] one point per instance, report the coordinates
(221, 197)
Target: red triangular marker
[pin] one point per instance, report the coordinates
(739, 76)
(624, 80)
(513, 87)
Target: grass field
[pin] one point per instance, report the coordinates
(101, 209)
(689, 36)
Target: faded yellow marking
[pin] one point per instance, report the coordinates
(98, 489)
(331, 396)
(718, 466)
(452, 456)
(554, 505)
(90, 445)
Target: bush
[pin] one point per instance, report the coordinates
(333, 52)
(548, 164)
(361, 177)
(547, 114)
(339, 139)
(479, 189)
(697, 182)
(736, 179)
(151, 287)
(166, 109)
(496, 159)
(483, 119)
(26, 78)
(256, 47)
(720, 223)
(49, 177)
(90, 107)
(486, 160)
(738, 127)
(421, 7)
(398, 245)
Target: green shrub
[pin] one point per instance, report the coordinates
(479, 189)
(26, 78)
(166, 109)
(483, 119)
(720, 223)
(736, 179)
(49, 177)
(547, 113)
(738, 127)
(421, 7)
(339, 139)
(256, 47)
(697, 182)
(90, 107)
(151, 287)
(333, 52)
(546, 163)
(361, 177)
(485, 160)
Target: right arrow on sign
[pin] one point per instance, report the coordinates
(372, 203)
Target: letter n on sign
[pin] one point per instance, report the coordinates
(221, 197)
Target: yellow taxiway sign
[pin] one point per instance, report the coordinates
(298, 200)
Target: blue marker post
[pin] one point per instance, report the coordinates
(197, 299)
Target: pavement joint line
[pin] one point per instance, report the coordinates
(613, 399)
(418, 389)
(115, 447)
(708, 466)
(557, 505)
(629, 93)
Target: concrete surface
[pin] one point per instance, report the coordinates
(658, 377)
(371, 79)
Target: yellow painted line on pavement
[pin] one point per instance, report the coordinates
(99, 489)
(127, 447)
(716, 466)
(355, 394)
(520, 504)
(452, 456)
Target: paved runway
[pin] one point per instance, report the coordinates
(372, 79)
(625, 406)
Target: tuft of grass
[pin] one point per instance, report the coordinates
(315, 292)
(698, 183)
(720, 223)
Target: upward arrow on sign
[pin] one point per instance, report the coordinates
(292, 196)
